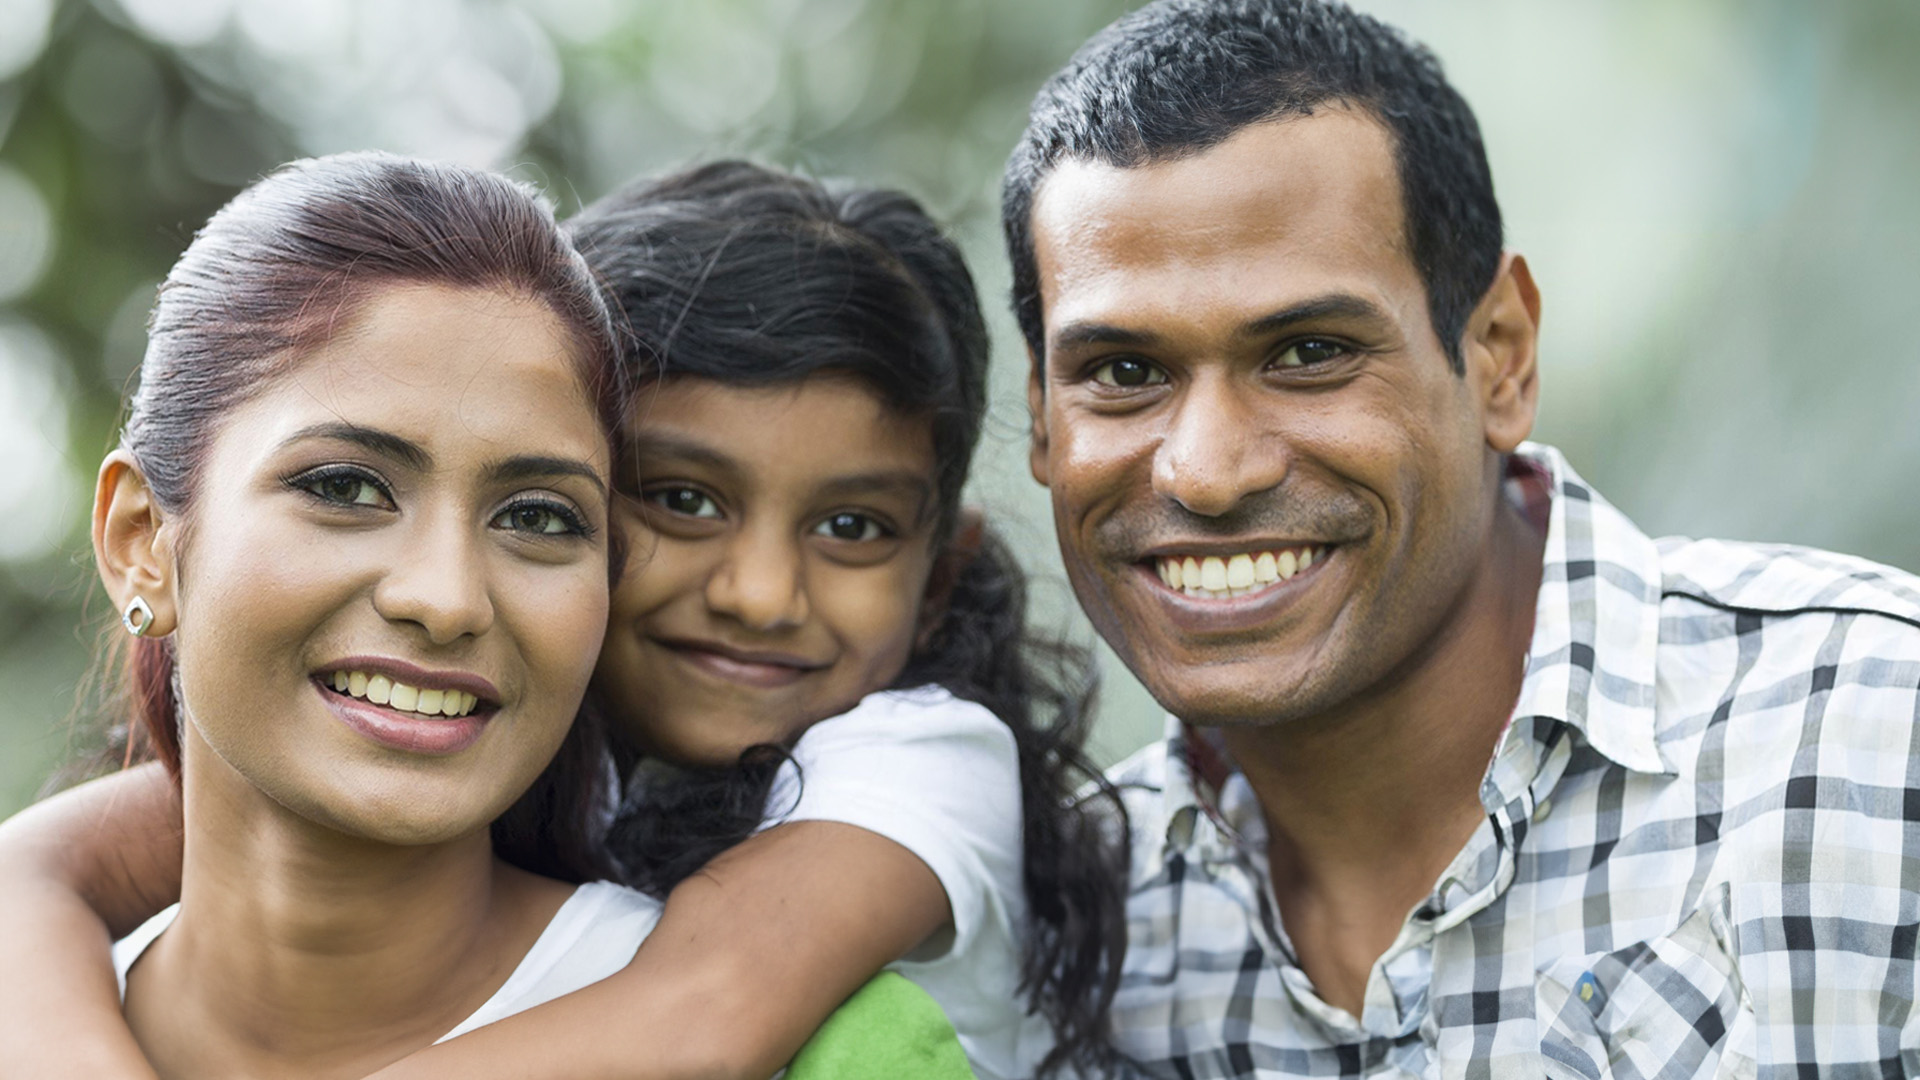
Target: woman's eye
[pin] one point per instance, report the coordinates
(540, 518)
(849, 526)
(1310, 352)
(1128, 372)
(345, 488)
(685, 501)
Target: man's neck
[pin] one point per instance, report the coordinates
(1367, 807)
(300, 951)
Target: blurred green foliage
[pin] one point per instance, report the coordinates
(1718, 198)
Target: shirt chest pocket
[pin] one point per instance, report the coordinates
(1672, 1006)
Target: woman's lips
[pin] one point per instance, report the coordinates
(408, 731)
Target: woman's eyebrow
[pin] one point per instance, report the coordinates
(542, 467)
(384, 443)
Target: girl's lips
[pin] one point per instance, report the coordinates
(408, 731)
(756, 670)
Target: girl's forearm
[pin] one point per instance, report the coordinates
(751, 955)
(63, 894)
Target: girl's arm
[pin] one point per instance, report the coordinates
(76, 871)
(750, 956)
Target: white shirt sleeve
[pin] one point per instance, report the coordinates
(937, 775)
(941, 778)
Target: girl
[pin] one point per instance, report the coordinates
(817, 369)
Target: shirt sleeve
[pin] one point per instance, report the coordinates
(934, 774)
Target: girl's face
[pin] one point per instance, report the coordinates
(393, 579)
(782, 545)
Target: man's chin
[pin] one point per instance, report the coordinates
(1236, 692)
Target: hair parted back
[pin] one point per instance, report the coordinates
(1178, 77)
(275, 273)
(743, 274)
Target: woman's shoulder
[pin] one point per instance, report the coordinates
(594, 934)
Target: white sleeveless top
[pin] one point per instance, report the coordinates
(593, 935)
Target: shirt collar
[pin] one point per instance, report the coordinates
(1590, 666)
(1596, 625)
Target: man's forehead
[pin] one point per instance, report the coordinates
(1320, 193)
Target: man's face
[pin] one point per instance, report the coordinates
(1241, 385)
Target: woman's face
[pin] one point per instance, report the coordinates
(393, 580)
(782, 544)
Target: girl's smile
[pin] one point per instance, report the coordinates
(782, 543)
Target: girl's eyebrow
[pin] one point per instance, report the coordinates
(905, 482)
(687, 450)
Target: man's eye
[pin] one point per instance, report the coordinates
(686, 501)
(849, 526)
(1310, 352)
(344, 487)
(1128, 372)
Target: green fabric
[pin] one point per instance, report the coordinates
(888, 1029)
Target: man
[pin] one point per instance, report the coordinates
(1469, 777)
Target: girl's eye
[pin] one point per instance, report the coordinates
(850, 526)
(540, 518)
(1310, 352)
(344, 487)
(686, 501)
(1128, 372)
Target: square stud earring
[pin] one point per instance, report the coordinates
(137, 618)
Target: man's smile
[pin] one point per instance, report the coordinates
(1220, 577)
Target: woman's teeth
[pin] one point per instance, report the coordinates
(1217, 578)
(396, 695)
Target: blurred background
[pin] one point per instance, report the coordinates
(1719, 199)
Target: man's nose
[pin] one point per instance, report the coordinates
(761, 580)
(438, 582)
(1215, 450)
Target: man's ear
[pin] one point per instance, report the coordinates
(133, 543)
(968, 534)
(1037, 408)
(1500, 351)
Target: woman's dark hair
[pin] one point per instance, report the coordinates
(1179, 77)
(747, 275)
(272, 275)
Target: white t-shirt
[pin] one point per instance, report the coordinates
(592, 936)
(941, 778)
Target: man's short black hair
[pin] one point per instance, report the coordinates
(1178, 77)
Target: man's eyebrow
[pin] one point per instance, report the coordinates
(1335, 305)
(541, 467)
(1331, 306)
(384, 443)
(1099, 333)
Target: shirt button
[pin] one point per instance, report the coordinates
(1541, 810)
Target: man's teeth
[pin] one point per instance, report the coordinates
(395, 695)
(1215, 578)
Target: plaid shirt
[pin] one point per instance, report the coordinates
(1701, 855)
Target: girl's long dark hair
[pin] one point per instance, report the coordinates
(747, 275)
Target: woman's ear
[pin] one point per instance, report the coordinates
(133, 544)
(952, 561)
